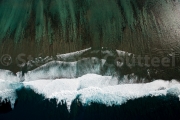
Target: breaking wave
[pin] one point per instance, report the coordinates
(85, 89)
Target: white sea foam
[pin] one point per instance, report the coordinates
(61, 80)
(73, 65)
(73, 56)
(8, 76)
(7, 91)
(60, 69)
(95, 88)
(90, 88)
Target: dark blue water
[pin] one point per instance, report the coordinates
(32, 106)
